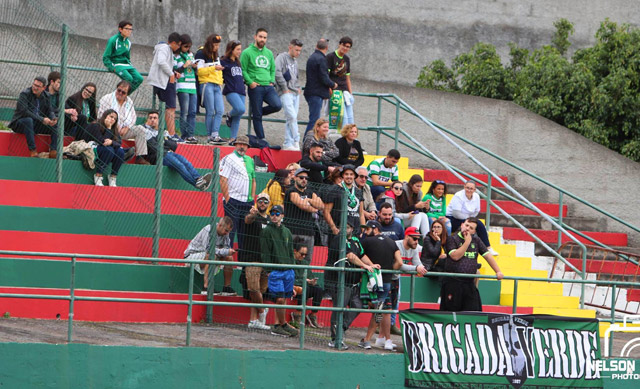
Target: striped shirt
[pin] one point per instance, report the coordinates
(186, 83)
(240, 174)
(385, 174)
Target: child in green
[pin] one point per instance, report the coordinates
(437, 208)
(117, 56)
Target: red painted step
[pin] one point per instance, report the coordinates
(547, 236)
(89, 244)
(106, 311)
(91, 198)
(200, 156)
(450, 178)
(513, 208)
(633, 295)
(599, 266)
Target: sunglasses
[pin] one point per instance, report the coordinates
(362, 176)
(122, 91)
(439, 182)
(414, 238)
(303, 177)
(261, 201)
(275, 213)
(397, 188)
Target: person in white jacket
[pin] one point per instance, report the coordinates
(466, 204)
(163, 79)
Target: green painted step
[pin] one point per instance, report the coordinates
(96, 276)
(137, 176)
(77, 221)
(427, 289)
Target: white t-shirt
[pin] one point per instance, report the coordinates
(410, 258)
(461, 207)
(233, 168)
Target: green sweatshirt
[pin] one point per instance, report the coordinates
(276, 244)
(117, 52)
(258, 66)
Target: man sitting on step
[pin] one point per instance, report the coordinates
(171, 159)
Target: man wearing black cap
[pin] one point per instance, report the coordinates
(276, 245)
(383, 251)
(301, 205)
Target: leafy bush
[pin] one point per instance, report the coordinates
(595, 93)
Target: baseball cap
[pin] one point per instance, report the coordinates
(301, 170)
(372, 224)
(277, 208)
(348, 167)
(263, 195)
(412, 231)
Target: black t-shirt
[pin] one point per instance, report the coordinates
(353, 245)
(339, 68)
(354, 198)
(381, 250)
(468, 264)
(250, 251)
(300, 222)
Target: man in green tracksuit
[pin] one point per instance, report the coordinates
(117, 56)
(259, 72)
(276, 244)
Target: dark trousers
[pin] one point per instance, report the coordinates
(315, 293)
(257, 96)
(460, 295)
(315, 106)
(30, 127)
(237, 210)
(109, 155)
(351, 300)
(481, 230)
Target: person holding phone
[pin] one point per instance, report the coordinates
(210, 79)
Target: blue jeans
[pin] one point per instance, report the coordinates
(109, 155)
(315, 106)
(291, 104)
(257, 96)
(214, 107)
(182, 165)
(237, 210)
(30, 127)
(238, 107)
(188, 106)
(348, 112)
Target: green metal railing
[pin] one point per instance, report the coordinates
(190, 302)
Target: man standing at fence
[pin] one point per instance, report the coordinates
(288, 87)
(259, 72)
(35, 115)
(318, 86)
(276, 244)
(238, 185)
(117, 56)
(463, 247)
(120, 102)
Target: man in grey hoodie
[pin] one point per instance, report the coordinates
(163, 79)
(288, 88)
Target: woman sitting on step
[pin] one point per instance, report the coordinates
(404, 200)
(437, 203)
(109, 151)
(320, 134)
(465, 204)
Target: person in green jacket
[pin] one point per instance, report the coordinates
(117, 56)
(276, 244)
(259, 72)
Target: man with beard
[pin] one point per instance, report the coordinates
(381, 250)
(389, 226)
(257, 278)
(463, 247)
(238, 188)
(318, 169)
(301, 205)
(351, 299)
(259, 72)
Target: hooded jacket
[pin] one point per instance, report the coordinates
(161, 67)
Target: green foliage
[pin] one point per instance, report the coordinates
(6, 315)
(595, 93)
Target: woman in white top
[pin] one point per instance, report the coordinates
(465, 204)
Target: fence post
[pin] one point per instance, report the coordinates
(378, 121)
(158, 195)
(72, 298)
(488, 218)
(215, 189)
(342, 255)
(397, 124)
(515, 296)
(411, 292)
(190, 308)
(560, 219)
(303, 314)
(613, 316)
(249, 119)
(61, 101)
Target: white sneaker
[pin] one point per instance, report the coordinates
(97, 180)
(256, 325)
(112, 180)
(389, 345)
(380, 342)
(493, 252)
(263, 316)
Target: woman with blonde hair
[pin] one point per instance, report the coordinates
(349, 148)
(320, 135)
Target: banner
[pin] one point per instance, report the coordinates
(489, 350)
